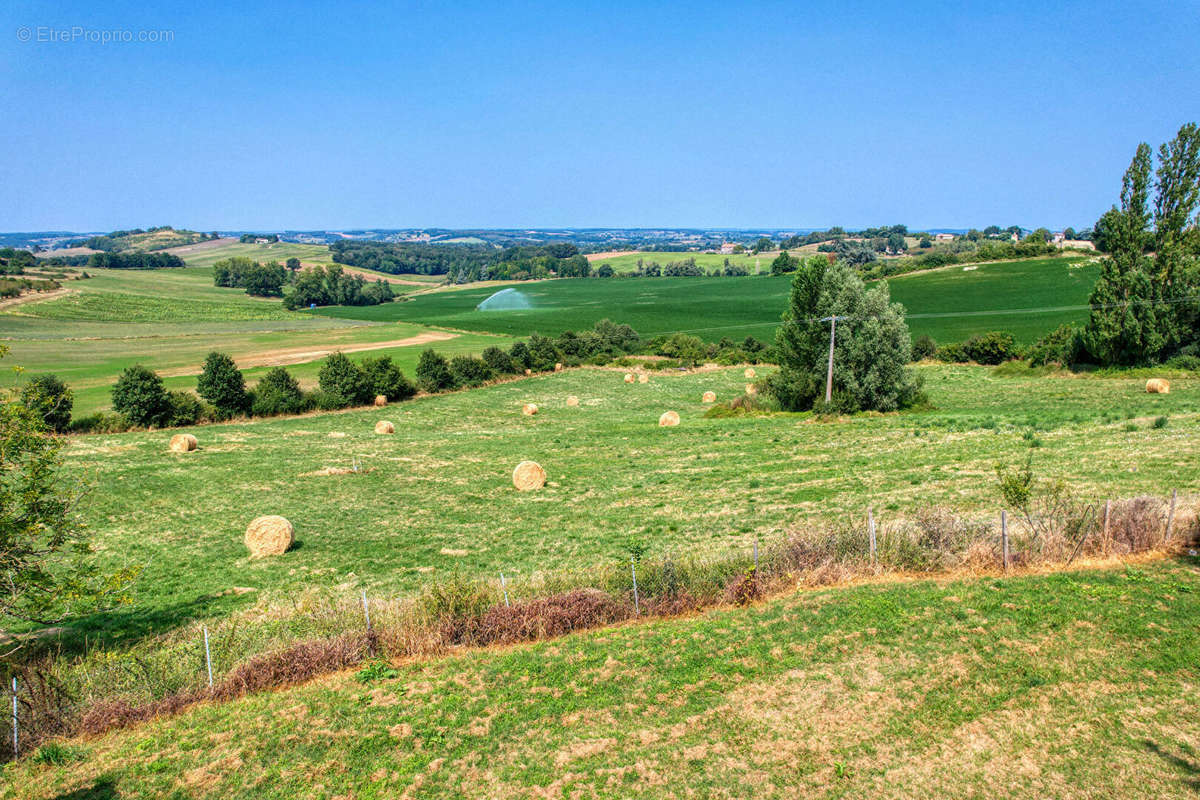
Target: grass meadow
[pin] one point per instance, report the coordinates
(949, 305)
(436, 497)
(1068, 685)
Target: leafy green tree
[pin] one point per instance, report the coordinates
(784, 263)
(50, 399)
(277, 392)
(433, 373)
(469, 371)
(686, 348)
(762, 244)
(872, 350)
(385, 378)
(140, 397)
(543, 355)
(46, 567)
(186, 409)
(897, 244)
(222, 384)
(498, 361)
(343, 382)
(521, 357)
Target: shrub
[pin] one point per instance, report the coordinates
(993, 347)
(139, 396)
(278, 393)
(1061, 346)
(498, 361)
(186, 409)
(1188, 362)
(469, 371)
(952, 354)
(50, 399)
(343, 382)
(543, 355)
(221, 383)
(1160, 422)
(923, 347)
(688, 349)
(433, 373)
(522, 360)
(385, 378)
(100, 422)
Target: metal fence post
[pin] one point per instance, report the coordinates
(1171, 515)
(756, 556)
(637, 609)
(207, 657)
(1107, 516)
(16, 747)
(1004, 537)
(871, 530)
(504, 587)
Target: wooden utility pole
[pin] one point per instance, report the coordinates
(829, 375)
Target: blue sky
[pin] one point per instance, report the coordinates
(406, 114)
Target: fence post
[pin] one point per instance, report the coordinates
(756, 556)
(1107, 513)
(871, 529)
(504, 587)
(207, 657)
(1004, 537)
(1171, 515)
(16, 748)
(637, 609)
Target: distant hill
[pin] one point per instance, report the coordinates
(143, 241)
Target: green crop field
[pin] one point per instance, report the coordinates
(438, 494)
(1068, 685)
(170, 319)
(628, 262)
(949, 304)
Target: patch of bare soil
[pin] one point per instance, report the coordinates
(293, 355)
(187, 249)
(613, 254)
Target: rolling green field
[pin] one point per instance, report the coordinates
(438, 497)
(949, 305)
(628, 263)
(170, 319)
(1073, 685)
(209, 253)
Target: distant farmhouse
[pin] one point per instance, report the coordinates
(944, 237)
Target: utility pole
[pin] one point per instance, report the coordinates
(829, 376)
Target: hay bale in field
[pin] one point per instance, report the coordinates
(750, 373)
(709, 397)
(572, 400)
(271, 535)
(183, 443)
(629, 377)
(751, 389)
(529, 409)
(643, 378)
(558, 367)
(669, 419)
(383, 426)
(529, 476)
(528, 371)
(380, 400)
(1158, 386)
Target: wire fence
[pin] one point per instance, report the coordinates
(321, 631)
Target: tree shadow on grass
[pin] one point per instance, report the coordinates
(1184, 761)
(105, 788)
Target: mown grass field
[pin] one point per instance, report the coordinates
(949, 305)
(209, 253)
(437, 497)
(628, 263)
(1072, 685)
(170, 319)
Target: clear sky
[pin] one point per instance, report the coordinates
(462, 114)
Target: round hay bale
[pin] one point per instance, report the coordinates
(383, 426)
(643, 378)
(380, 400)
(750, 373)
(751, 389)
(183, 443)
(572, 400)
(669, 419)
(528, 371)
(271, 535)
(709, 397)
(629, 377)
(529, 409)
(1158, 386)
(529, 476)
(558, 367)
